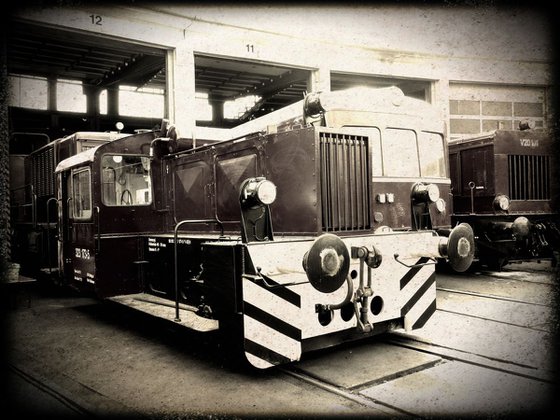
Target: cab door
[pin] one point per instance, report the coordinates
(77, 232)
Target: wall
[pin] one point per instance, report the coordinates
(443, 44)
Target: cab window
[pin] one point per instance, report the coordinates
(432, 157)
(400, 153)
(81, 194)
(125, 180)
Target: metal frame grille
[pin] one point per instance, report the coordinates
(344, 166)
(43, 168)
(529, 177)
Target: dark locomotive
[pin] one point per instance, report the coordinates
(322, 228)
(503, 186)
(33, 198)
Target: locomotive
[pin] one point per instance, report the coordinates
(321, 228)
(33, 198)
(503, 186)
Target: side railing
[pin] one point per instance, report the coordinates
(175, 255)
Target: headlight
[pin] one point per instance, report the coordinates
(266, 192)
(428, 193)
(501, 202)
(440, 205)
(433, 193)
(263, 190)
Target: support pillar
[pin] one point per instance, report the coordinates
(217, 111)
(181, 90)
(113, 102)
(51, 104)
(320, 80)
(92, 106)
(440, 98)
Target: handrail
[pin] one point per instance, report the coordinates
(49, 233)
(68, 217)
(33, 207)
(175, 257)
(97, 222)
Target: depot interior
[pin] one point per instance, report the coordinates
(64, 81)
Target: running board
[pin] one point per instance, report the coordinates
(165, 309)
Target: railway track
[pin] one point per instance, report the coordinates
(365, 393)
(449, 356)
(46, 394)
(481, 354)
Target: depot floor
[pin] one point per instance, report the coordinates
(69, 355)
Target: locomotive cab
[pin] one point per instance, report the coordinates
(105, 197)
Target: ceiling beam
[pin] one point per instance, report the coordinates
(137, 70)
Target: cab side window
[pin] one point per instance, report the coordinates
(125, 180)
(81, 194)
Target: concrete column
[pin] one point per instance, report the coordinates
(440, 98)
(217, 111)
(51, 102)
(320, 80)
(113, 101)
(181, 90)
(92, 105)
(51, 94)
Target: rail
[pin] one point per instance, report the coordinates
(175, 257)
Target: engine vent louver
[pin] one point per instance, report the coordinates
(344, 182)
(529, 177)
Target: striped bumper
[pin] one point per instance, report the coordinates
(280, 315)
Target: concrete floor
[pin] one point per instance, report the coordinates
(71, 355)
(111, 362)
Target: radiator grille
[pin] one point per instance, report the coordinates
(42, 172)
(344, 182)
(529, 177)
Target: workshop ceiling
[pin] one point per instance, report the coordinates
(104, 62)
(42, 51)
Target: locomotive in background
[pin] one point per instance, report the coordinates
(33, 197)
(504, 186)
(317, 229)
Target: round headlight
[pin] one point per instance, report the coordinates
(433, 193)
(426, 193)
(440, 205)
(501, 202)
(266, 192)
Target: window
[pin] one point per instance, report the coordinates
(236, 108)
(203, 107)
(400, 153)
(28, 92)
(103, 102)
(70, 96)
(475, 109)
(432, 158)
(81, 194)
(143, 102)
(125, 180)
